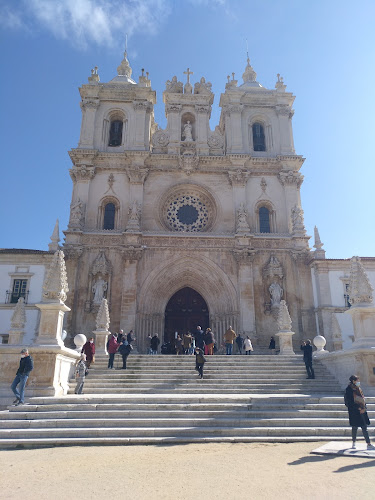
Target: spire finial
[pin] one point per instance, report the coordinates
(249, 74)
(55, 238)
(124, 69)
(319, 252)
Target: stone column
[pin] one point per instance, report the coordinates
(140, 109)
(174, 127)
(131, 255)
(285, 333)
(202, 129)
(286, 138)
(89, 107)
(235, 111)
(245, 257)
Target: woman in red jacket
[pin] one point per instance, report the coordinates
(89, 350)
(112, 346)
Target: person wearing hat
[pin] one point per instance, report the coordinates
(23, 372)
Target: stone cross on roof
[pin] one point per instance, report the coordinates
(188, 73)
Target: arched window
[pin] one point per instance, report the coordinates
(115, 133)
(259, 141)
(264, 220)
(109, 216)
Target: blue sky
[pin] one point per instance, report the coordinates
(323, 49)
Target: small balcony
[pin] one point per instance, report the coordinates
(12, 298)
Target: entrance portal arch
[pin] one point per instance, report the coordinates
(185, 310)
(168, 277)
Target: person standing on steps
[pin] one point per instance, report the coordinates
(23, 372)
(120, 336)
(81, 371)
(199, 338)
(306, 347)
(209, 341)
(239, 342)
(155, 341)
(248, 346)
(89, 350)
(112, 347)
(355, 401)
(130, 337)
(187, 342)
(149, 338)
(272, 345)
(229, 338)
(125, 349)
(199, 361)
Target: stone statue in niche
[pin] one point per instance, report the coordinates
(76, 214)
(134, 213)
(242, 224)
(99, 288)
(297, 219)
(276, 293)
(187, 132)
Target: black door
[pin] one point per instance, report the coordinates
(184, 312)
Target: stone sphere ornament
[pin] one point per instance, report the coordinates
(319, 342)
(79, 341)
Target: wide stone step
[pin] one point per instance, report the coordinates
(152, 431)
(176, 422)
(239, 411)
(152, 440)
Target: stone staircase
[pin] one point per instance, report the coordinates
(160, 399)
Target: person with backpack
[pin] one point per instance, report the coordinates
(125, 349)
(354, 399)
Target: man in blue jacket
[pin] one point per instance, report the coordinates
(23, 372)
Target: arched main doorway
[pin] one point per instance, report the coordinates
(185, 310)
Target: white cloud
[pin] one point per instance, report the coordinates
(89, 21)
(84, 22)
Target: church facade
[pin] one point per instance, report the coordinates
(187, 226)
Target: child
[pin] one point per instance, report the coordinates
(199, 361)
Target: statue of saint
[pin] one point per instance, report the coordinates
(98, 289)
(276, 293)
(187, 132)
(76, 214)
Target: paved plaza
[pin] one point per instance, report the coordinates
(211, 471)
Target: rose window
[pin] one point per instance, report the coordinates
(187, 212)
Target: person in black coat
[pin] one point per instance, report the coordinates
(125, 349)
(272, 345)
(306, 347)
(154, 342)
(23, 372)
(355, 401)
(199, 338)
